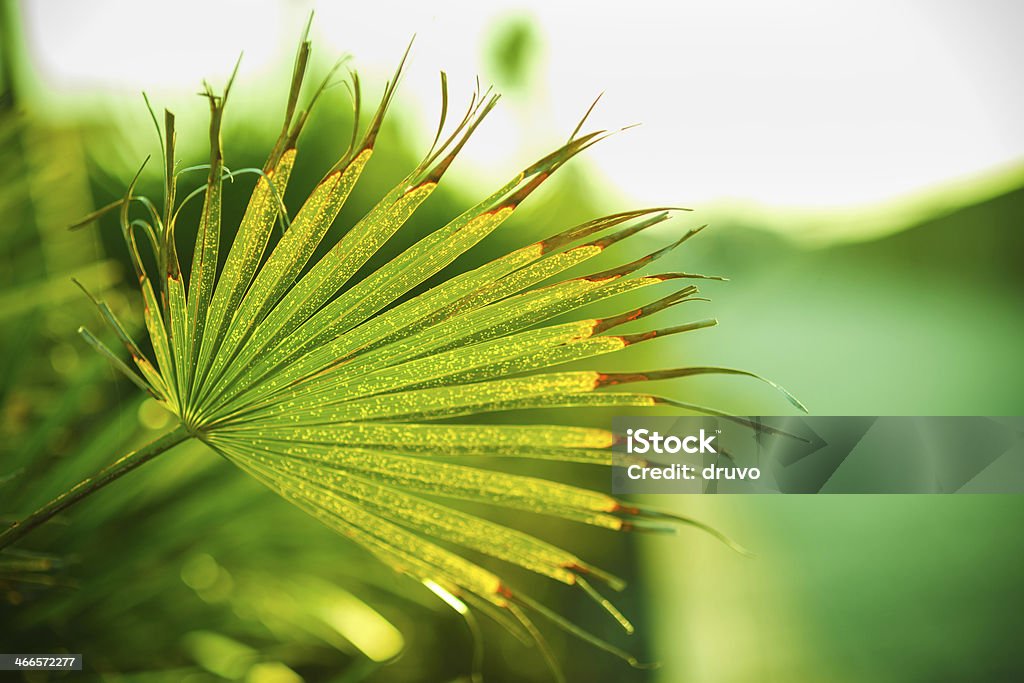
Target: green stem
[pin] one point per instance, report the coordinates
(87, 487)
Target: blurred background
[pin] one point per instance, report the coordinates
(861, 166)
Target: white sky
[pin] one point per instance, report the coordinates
(782, 104)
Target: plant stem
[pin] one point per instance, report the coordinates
(87, 487)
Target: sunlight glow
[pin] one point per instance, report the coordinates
(779, 105)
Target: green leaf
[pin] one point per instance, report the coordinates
(336, 393)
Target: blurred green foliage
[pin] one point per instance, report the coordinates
(513, 51)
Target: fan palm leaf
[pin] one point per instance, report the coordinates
(335, 393)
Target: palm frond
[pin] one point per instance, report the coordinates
(334, 393)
